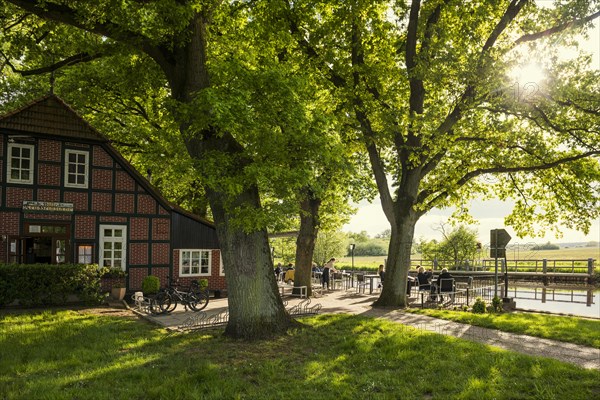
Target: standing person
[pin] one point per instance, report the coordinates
(328, 269)
(278, 272)
(381, 275)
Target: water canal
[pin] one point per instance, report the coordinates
(578, 302)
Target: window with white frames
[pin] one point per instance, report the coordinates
(194, 262)
(20, 163)
(113, 243)
(76, 168)
(221, 267)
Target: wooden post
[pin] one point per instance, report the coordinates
(545, 270)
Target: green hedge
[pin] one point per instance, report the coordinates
(43, 284)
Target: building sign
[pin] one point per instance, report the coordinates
(47, 207)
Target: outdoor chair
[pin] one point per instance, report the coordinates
(446, 286)
(362, 283)
(337, 279)
(422, 286)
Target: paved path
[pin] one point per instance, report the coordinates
(352, 303)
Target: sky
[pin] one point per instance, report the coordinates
(490, 214)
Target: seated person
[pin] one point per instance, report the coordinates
(445, 275)
(423, 279)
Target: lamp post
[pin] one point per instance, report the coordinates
(352, 246)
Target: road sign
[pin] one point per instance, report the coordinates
(499, 238)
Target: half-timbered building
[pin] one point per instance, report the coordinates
(68, 196)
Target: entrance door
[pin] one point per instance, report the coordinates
(46, 244)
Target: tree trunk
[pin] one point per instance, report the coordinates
(255, 308)
(398, 264)
(305, 243)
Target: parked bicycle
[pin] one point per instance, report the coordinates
(166, 300)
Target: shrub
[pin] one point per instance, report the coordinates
(150, 284)
(497, 304)
(479, 306)
(44, 284)
(203, 283)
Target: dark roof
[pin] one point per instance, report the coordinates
(52, 116)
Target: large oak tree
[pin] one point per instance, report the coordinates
(426, 85)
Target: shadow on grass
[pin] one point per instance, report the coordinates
(69, 355)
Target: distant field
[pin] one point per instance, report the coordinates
(581, 253)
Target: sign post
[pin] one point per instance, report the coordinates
(499, 238)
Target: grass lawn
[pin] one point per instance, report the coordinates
(75, 355)
(567, 329)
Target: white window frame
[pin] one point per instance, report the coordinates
(31, 148)
(183, 257)
(221, 266)
(86, 154)
(112, 240)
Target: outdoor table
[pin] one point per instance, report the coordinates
(370, 278)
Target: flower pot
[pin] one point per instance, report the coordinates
(117, 293)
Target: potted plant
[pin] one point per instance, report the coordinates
(117, 292)
(115, 279)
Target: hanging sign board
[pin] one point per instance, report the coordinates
(47, 207)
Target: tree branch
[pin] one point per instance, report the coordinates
(503, 170)
(67, 15)
(417, 90)
(67, 62)
(530, 37)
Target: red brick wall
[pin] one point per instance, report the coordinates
(124, 203)
(48, 195)
(161, 229)
(160, 253)
(101, 158)
(138, 253)
(10, 223)
(102, 202)
(146, 204)
(216, 282)
(85, 227)
(136, 276)
(48, 174)
(124, 182)
(79, 200)
(102, 179)
(16, 196)
(138, 228)
(49, 150)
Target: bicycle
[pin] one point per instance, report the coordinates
(195, 298)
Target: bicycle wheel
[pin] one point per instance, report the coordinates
(156, 305)
(165, 302)
(197, 301)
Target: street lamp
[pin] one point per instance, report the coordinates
(352, 246)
